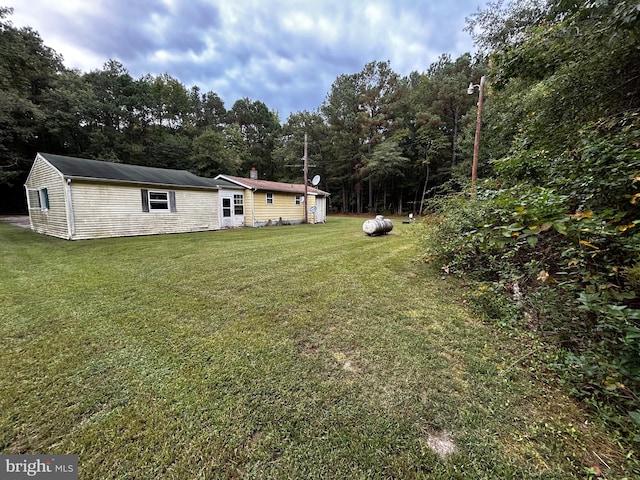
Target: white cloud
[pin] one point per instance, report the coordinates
(298, 22)
(157, 25)
(375, 14)
(285, 53)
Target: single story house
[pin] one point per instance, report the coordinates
(76, 198)
(267, 202)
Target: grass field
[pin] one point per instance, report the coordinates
(284, 352)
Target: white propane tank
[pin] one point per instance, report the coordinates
(377, 226)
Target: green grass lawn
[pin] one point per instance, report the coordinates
(299, 352)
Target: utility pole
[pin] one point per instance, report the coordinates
(306, 168)
(476, 142)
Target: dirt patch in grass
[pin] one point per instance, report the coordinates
(441, 443)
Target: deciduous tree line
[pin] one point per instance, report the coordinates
(379, 141)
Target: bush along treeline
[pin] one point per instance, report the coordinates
(379, 141)
(552, 232)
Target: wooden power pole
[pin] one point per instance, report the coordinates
(476, 142)
(306, 173)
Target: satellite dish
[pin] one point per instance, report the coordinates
(316, 180)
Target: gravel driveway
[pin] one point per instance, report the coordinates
(18, 220)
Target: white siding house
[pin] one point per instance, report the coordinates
(75, 198)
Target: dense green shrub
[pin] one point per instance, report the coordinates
(551, 237)
(561, 260)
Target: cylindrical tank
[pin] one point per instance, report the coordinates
(377, 226)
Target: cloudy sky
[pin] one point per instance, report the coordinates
(285, 53)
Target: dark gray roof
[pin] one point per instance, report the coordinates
(85, 169)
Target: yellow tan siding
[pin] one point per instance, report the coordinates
(284, 207)
(51, 221)
(107, 210)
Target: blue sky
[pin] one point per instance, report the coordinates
(284, 53)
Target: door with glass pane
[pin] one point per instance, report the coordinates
(232, 209)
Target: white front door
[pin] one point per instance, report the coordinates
(231, 209)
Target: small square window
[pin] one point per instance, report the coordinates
(269, 198)
(299, 199)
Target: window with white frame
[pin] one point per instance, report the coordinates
(269, 198)
(299, 199)
(38, 199)
(158, 201)
(238, 204)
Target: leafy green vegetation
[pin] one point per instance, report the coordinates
(552, 233)
(286, 352)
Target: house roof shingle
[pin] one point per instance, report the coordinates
(272, 186)
(85, 169)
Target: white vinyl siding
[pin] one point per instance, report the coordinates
(107, 210)
(45, 190)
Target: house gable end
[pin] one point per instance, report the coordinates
(46, 196)
(40, 158)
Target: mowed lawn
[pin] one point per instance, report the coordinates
(301, 352)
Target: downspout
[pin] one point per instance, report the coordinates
(70, 214)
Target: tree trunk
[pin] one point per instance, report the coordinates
(345, 200)
(456, 122)
(424, 190)
(384, 199)
(415, 200)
